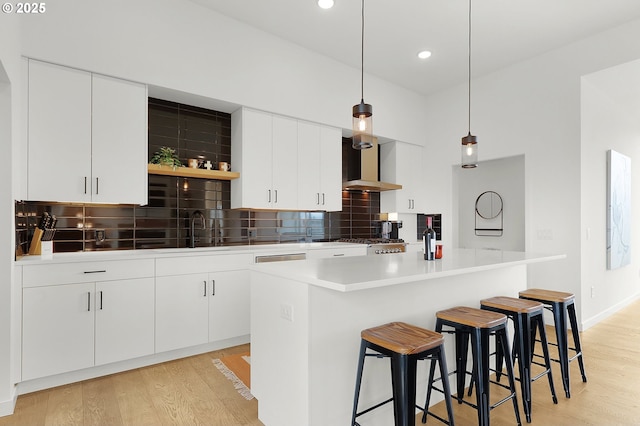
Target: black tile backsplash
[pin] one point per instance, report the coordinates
(191, 131)
(169, 225)
(436, 224)
(166, 221)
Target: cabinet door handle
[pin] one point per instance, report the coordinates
(100, 299)
(276, 196)
(85, 184)
(409, 203)
(89, 301)
(269, 197)
(317, 198)
(97, 185)
(205, 288)
(95, 272)
(323, 198)
(213, 285)
(338, 254)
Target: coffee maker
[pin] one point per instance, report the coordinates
(389, 229)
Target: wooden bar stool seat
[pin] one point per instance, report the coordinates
(527, 317)
(405, 344)
(477, 325)
(561, 304)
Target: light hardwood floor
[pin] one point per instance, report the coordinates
(191, 391)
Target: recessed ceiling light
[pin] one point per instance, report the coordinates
(325, 4)
(424, 54)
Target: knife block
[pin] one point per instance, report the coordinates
(35, 248)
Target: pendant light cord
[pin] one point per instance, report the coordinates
(362, 56)
(469, 112)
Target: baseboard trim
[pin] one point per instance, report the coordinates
(8, 407)
(34, 385)
(588, 323)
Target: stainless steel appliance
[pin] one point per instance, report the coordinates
(280, 257)
(362, 169)
(389, 229)
(379, 245)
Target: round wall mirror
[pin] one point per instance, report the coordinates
(489, 205)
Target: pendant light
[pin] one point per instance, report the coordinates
(469, 142)
(362, 122)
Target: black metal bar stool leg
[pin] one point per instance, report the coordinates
(571, 310)
(445, 385)
(440, 358)
(522, 349)
(403, 378)
(462, 346)
(560, 320)
(480, 351)
(356, 396)
(504, 341)
(432, 372)
(539, 324)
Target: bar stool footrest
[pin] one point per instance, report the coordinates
(373, 407)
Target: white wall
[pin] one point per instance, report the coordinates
(532, 108)
(610, 120)
(9, 119)
(504, 176)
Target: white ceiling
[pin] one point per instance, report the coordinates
(503, 32)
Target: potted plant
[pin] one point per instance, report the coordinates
(166, 156)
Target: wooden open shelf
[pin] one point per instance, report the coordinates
(157, 169)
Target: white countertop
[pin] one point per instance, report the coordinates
(365, 272)
(93, 256)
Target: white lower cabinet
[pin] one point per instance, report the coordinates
(73, 326)
(57, 329)
(182, 309)
(193, 309)
(229, 305)
(124, 319)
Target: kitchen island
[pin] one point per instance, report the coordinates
(306, 318)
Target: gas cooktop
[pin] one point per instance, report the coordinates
(371, 240)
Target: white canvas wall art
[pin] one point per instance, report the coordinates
(618, 210)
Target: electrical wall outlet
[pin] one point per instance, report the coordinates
(286, 312)
(545, 234)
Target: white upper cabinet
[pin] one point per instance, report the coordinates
(119, 141)
(320, 167)
(331, 170)
(402, 163)
(264, 152)
(284, 195)
(59, 132)
(251, 156)
(284, 163)
(87, 137)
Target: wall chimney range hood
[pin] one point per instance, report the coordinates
(366, 178)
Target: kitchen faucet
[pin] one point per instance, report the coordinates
(197, 220)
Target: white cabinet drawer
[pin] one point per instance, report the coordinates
(197, 264)
(79, 272)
